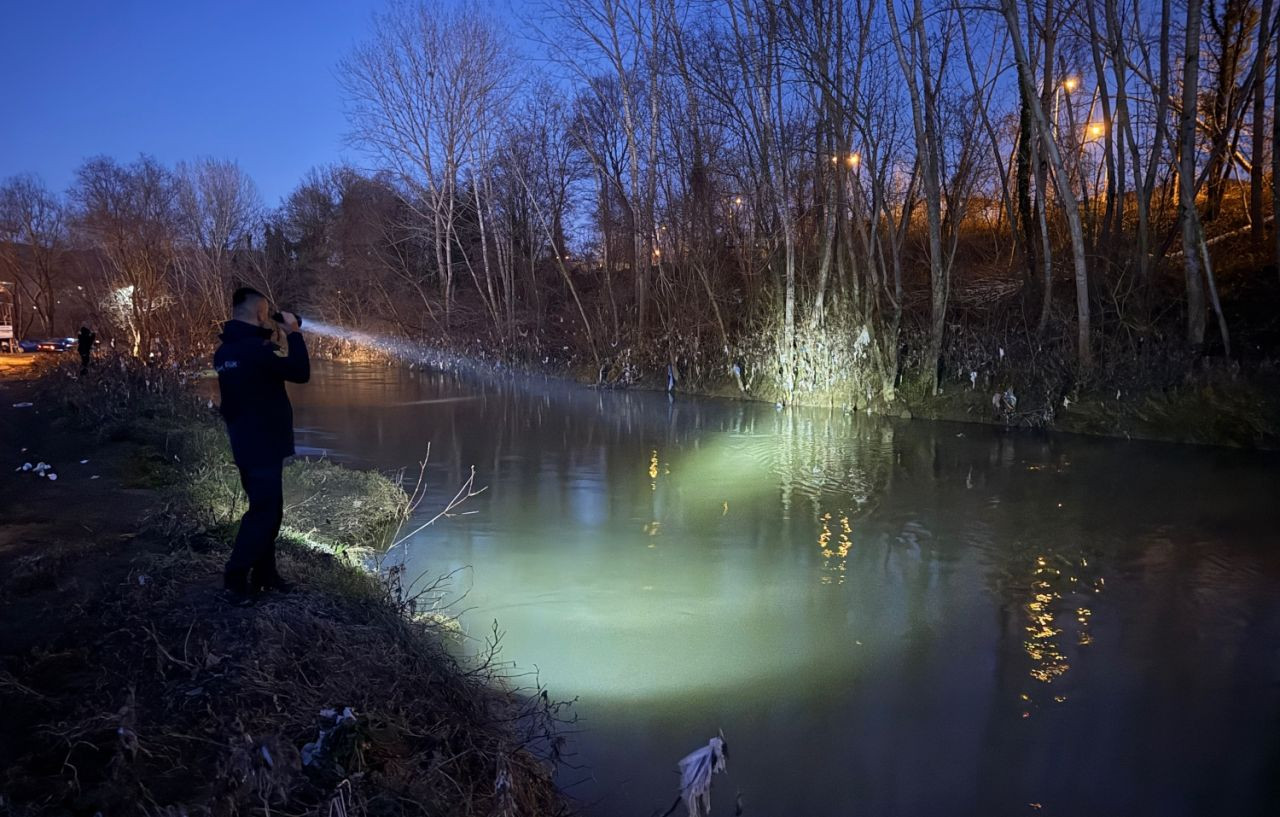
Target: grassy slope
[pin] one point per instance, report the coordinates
(151, 695)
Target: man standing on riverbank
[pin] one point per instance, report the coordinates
(259, 417)
(85, 341)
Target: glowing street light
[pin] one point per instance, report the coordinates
(1096, 130)
(854, 159)
(1065, 87)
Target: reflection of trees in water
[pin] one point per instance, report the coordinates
(831, 457)
(1018, 514)
(831, 469)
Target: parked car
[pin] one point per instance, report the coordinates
(55, 345)
(28, 345)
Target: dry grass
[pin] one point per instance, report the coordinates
(190, 706)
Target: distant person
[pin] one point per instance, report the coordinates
(85, 340)
(259, 417)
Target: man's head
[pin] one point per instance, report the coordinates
(249, 305)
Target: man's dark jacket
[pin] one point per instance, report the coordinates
(251, 378)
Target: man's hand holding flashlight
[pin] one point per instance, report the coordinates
(289, 322)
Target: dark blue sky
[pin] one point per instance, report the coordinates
(250, 81)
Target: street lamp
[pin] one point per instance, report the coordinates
(1068, 85)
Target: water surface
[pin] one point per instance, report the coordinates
(884, 618)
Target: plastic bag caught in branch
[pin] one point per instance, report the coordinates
(696, 770)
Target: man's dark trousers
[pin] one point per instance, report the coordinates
(255, 547)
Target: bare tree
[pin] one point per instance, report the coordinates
(1062, 184)
(420, 91)
(1275, 150)
(128, 214)
(1194, 251)
(623, 35)
(916, 64)
(33, 241)
(1258, 158)
(219, 210)
(1223, 115)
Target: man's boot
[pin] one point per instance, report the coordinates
(269, 580)
(235, 584)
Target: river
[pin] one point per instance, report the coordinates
(883, 617)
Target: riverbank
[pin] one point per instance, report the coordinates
(132, 687)
(1209, 403)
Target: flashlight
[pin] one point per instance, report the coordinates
(279, 318)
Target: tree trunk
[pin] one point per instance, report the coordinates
(923, 117)
(1187, 178)
(828, 249)
(1275, 161)
(1026, 220)
(984, 111)
(1108, 136)
(1046, 250)
(1256, 214)
(1065, 193)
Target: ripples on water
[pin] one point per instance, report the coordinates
(884, 618)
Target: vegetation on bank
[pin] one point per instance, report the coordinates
(350, 696)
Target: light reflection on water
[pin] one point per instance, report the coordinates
(884, 618)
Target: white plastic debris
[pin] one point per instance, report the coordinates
(696, 770)
(53, 477)
(95, 476)
(973, 380)
(1004, 402)
(1001, 348)
(84, 462)
(23, 405)
(314, 752)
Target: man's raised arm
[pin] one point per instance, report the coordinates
(296, 366)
